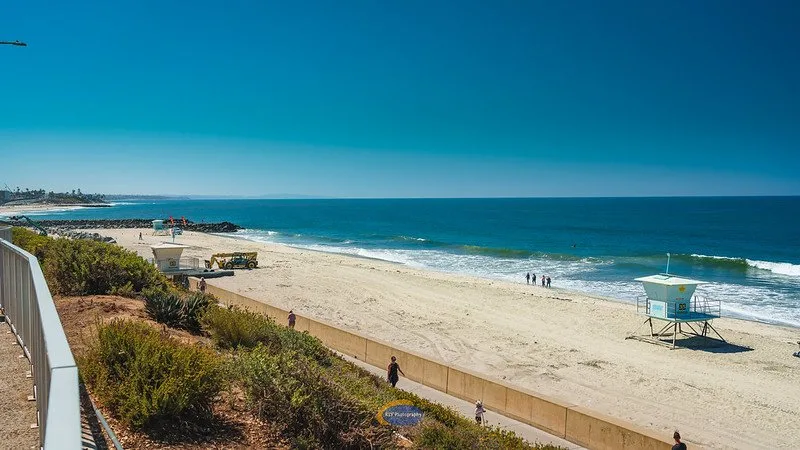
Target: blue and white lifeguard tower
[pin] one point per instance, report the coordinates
(159, 229)
(671, 299)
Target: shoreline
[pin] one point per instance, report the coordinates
(11, 210)
(563, 344)
(596, 296)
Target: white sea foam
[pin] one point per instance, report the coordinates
(782, 268)
(727, 258)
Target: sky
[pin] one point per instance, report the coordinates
(365, 98)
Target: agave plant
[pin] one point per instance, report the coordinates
(195, 304)
(168, 309)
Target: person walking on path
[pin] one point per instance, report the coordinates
(678, 444)
(292, 318)
(202, 285)
(548, 281)
(528, 278)
(391, 372)
(479, 413)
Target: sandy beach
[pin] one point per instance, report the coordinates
(567, 345)
(12, 210)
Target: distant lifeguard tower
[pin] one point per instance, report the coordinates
(159, 229)
(671, 299)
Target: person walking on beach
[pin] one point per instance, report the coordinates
(140, 235)
(292, 318)
(479, 413)
(544, 279)
(202, 285)
(678, 444)
(533, 279)
(528, 278)
(391, 372)
(548, 281)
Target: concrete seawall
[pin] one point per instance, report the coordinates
(572, 422)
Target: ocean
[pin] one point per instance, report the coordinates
(747, 248)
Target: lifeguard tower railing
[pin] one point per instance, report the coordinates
(698, 307)
(33, 318)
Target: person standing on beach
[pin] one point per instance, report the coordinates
(678, 444)
(140, 235)
(292, 318)
(548, 281)
(202, 285)
(533, 279)
(528, 278)
(544, 279)
(391, 372)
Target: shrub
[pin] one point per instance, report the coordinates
(124, 291)
(145, 377)
(29, 241)
(168, 309)
(234, 328)
(81, 267)
(196, 303)
(291, 388)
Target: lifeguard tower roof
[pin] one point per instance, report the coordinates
(168, 245)
(669, 280)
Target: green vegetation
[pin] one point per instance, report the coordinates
(81, 267)
(323, 400)
(167, 309)
(173, 310)
(143, 376)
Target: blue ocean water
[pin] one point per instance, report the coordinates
(748, 248)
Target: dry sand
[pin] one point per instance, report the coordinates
(563, 344)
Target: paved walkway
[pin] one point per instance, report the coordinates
(531, 434)
(16, 412)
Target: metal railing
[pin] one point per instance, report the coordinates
(34, 320)
(697, 305)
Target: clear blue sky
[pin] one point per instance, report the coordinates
(402, 99)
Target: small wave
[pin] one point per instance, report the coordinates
(410, 238)
(781, 268)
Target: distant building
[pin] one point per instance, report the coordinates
(5, 196)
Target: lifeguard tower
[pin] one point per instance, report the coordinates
(159, 229)
(167, 258)
(671, 299)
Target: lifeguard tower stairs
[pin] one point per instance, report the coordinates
(671, 299)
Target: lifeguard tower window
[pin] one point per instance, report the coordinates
(671, 299)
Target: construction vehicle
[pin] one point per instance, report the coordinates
(238, 260)
(42, 231)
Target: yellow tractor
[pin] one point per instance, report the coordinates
(238, 260)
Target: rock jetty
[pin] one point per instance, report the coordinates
(59, 226)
